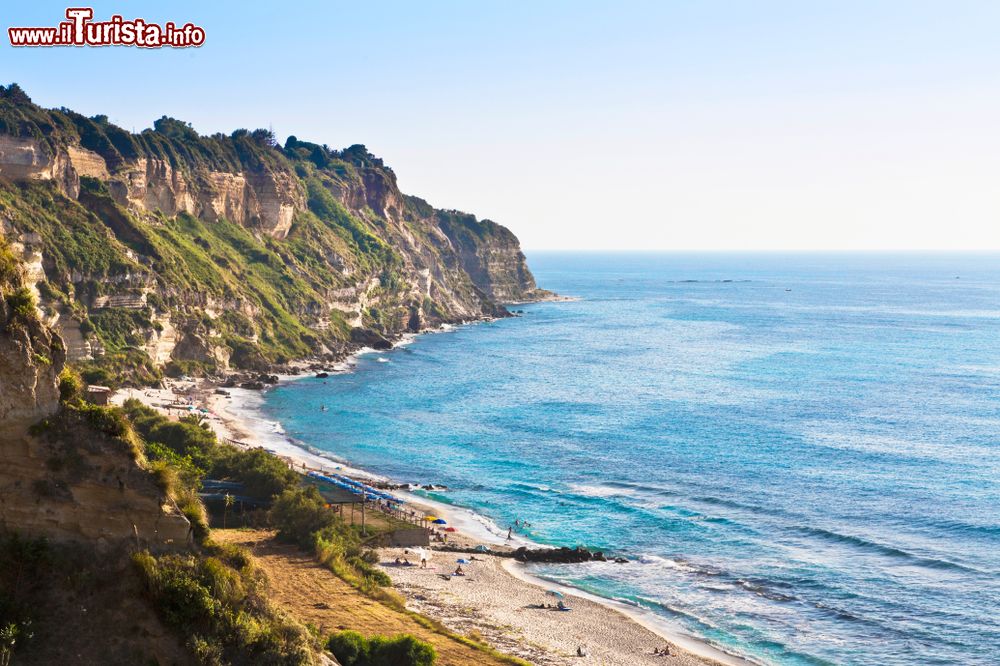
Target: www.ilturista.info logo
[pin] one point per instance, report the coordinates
(80, 30)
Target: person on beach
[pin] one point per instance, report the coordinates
(423, 562)
(458, 571)
(510, 530)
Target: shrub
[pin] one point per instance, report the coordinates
(132, 367)
(22, 302)
(262, 474)
(299, 513)
(352, 649)
(166, 477)
(182, 599)
(221, 611)
(349, 647)
(404, 650)
(108, 420)
(374, 576)
(70, 385)
(10, 267)
(193, 509)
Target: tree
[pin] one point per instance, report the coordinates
(229, 500)
(299, 513)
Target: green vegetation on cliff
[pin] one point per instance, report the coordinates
(232, 250)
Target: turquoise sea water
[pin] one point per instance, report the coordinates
(801, 452)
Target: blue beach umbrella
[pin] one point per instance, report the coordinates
(462, 560)
(555, 593)
(440, 521)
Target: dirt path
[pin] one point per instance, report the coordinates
(311, 593)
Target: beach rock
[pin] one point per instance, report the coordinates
(253, 386)
(322, 375)
(561, 555)
(369, 338)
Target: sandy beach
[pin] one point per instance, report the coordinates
(497, 598)
(504, 608)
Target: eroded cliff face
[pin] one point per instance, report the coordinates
(264, 200)
(325, 252)
(77, 485)
(31, 355)
(60, 477)
(23, 158)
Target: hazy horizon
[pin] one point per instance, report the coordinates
(832, 126)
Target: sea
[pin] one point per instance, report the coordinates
(799, 453)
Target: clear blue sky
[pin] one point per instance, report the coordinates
(672, 124)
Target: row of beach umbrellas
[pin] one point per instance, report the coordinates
(355, 487)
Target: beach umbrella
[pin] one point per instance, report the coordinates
(462, 560)
(431, 518)
(450, 529)
(555, 593)
(440, 521)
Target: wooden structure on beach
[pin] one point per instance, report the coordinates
(98, 395)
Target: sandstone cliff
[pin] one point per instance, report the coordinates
(220, 251)
(70, 482)
(61, 476)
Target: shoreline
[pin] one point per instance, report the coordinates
(236, 417)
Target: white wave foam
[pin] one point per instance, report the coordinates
(600, 491)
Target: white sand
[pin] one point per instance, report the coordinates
(490, 600)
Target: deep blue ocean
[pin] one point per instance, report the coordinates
(802, 452)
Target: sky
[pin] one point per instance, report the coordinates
(668, 125)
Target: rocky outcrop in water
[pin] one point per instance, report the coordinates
(561, 555)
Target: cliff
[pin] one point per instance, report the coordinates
(67, 474)
(205, 253)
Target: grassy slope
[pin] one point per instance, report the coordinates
(314, 595)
